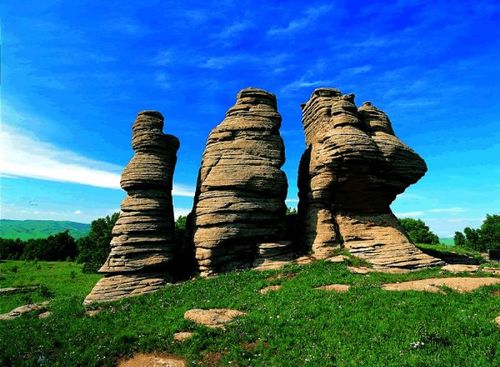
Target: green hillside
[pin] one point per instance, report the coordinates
(28, 229)
(447, 241)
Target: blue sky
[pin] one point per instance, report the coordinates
(75, 74)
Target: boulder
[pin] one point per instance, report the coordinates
(241, 190)
(353, 168)
(142, 246)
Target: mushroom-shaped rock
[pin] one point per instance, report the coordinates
(352, 170)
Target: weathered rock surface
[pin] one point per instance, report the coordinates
(182, 336)
(460, 268)
(213, 318)
(240, 196)
(21, 310)
(352, 170)
(13, 290)
(270, 288)
(339, 288)
(435, 285)
(142, 247)
(364, 270)
(153, 360)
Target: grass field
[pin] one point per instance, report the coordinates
(295, 326)
(28, 229)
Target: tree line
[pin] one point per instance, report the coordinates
(92, 250)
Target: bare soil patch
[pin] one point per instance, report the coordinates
(340, 288)
(153, 360)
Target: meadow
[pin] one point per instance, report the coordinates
(295, 326)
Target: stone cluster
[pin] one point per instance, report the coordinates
(241, 190)
(352, 170)
(142, 247)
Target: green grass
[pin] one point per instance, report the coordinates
(452, 249)
(30, 229)
(447, 241)
(295, 326)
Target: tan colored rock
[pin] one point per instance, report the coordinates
(460, 268)
(240, 197)
(494, 271)
(153, 360)
(183, 336)
(213, 318)
(352, 170)
(270, 288)
(14, 290)
(337, 259)
(92, 313)
(142, 247)
(364, 270)
(45, 315)
(21, 310)
(497, 321)
(340, 288)
(435, 284)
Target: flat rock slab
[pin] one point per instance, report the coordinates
(337, 259)
(13, 290)
(183, 336)
(45, 315)
(494, 271)
(434, 284)
(339, 288)
(460, 268)
(213, 318)
(153, 360)
(21, 310)
(364, 270)
(497, 321)
(271, 288)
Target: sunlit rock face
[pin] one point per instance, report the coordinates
(241, 191)
(142, 247)
(352, 170)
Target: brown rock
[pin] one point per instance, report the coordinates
(44, 315)
(460, 268)
(497, 321)
(352, 170)
(240, 196)
(142, 247)
(13, 290)
(213, 318)
(271, 288)
(434, 284)
(153, 360)
(337, 259)
(183, 336)
(494, 271)
(364, 270)
(340, 288)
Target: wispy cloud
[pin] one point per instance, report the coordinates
(422, 213)
(306, 19)
(23, 155)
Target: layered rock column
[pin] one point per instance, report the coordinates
(352, 170)
(241, 190)
(142, 247)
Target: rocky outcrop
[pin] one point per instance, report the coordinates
(241, 190)
(142, 247)
(352, 170)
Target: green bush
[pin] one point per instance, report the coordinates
(418, 232)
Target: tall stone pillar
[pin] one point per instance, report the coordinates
(142, 247)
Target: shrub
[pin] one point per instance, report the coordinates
(418, 232)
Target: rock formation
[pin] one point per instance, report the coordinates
(142, 246)
(352, 170)
(241, 190)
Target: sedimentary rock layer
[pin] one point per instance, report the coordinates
(142, 246)
(240, 197)
(352, 170)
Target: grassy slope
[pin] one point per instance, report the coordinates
(447, 241)
(27, 229)
(296, 326)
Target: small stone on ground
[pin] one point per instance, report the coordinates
(340, 288)
(44, 315)
(21, 310)
(337, 259)
(494, 271)
(183, 336)
(213, 318)
(497, 321)
(94, 312)
(271, 288)
(460, 268)
(434, 284)
(153, 360)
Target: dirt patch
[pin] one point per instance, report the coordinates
(213, 318)
(496, 292)
(271, 288)
(339, 288)
(250, 347)
(153, 360)
(434, 284)
(212, 359)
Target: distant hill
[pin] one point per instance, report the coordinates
(447, 241)
(28, 229)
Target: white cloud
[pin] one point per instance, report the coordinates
(22, 155)
(421, 213)
(417, 213)
(309, 16)
(77, 212)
